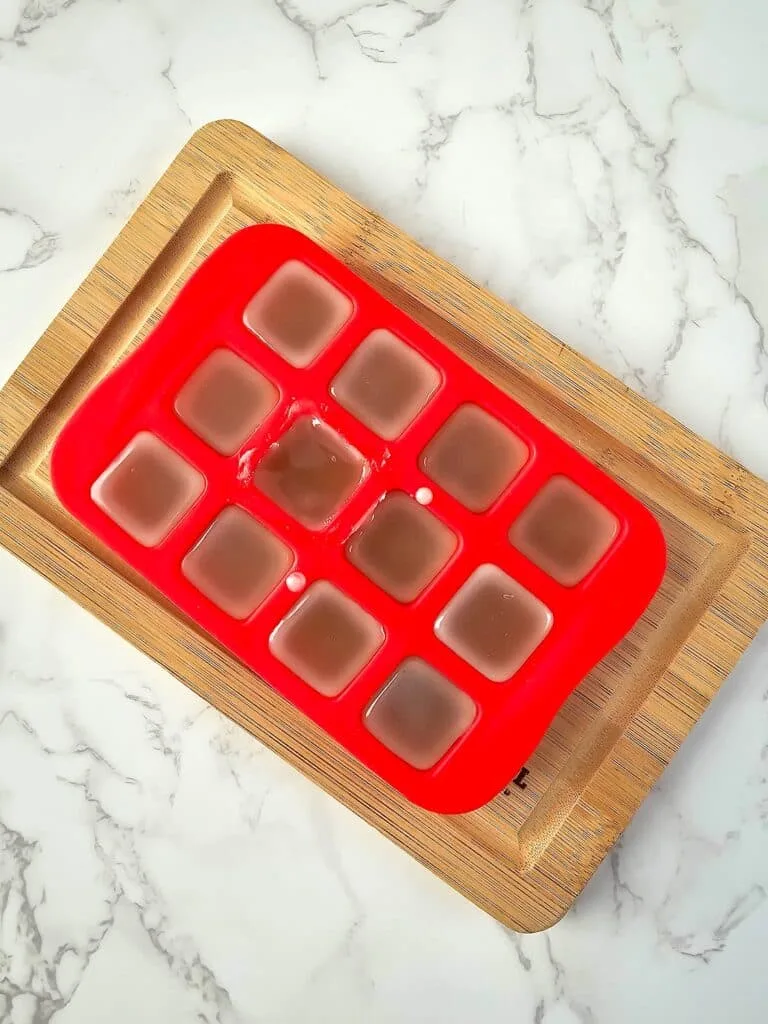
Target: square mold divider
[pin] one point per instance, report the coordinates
(524, 856)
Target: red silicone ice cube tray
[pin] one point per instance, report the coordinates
(511, 564)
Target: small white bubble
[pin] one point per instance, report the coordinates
(424, 496)
(296, 581)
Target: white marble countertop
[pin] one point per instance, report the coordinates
(603, 164)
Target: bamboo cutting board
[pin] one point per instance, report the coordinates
(525, 856)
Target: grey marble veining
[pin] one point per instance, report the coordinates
(603, 164)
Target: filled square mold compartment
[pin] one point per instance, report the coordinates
(297, 312)
(419, 714)
(237, 562)
(474, 457)
(564, 531)
(385, 384)
(494, 623)
(311, 472)
(401, 546)
(360, 517)
(326, 638)
(147, 489)
(225, 400)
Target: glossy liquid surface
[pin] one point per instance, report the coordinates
(493, 623)
(474, 457)
(564, 531)
(237, 562)
(310, 472)
(326, 638)
(225, 400)
(147, 489)
(401, 546)
(385, 384)
(297, 312)
(419, 714)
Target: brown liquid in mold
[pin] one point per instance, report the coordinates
(297, 312)
(310, 472)
(419, 714)
(474, 457)
(385, 384)
(225, 400)
(564, 531)
(326, 638)
(237, 562)
(493, 623)
(401, 546)
(147, 489)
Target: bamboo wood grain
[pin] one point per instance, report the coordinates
(526, 856)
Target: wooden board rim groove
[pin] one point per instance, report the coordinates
(526, 887)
